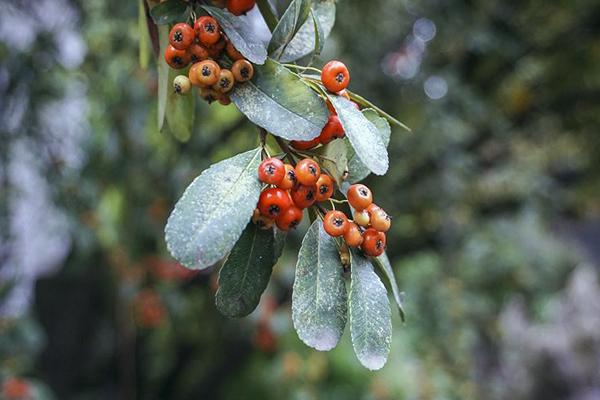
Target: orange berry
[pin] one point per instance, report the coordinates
(353, 235)
(271, 171)
(335, 76)
(208, 72)
(324, 187)
(176, 59)
(273, 201)
(207, 29)
(359, 196)
(305, 144)
(181, 36)
(289, 219)
(373, 242)
(380, 220)
(307, 171)
(362, 218)
(242, 70)
(335, 223)
(289, 179)
(304, 196)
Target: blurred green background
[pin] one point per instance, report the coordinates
(495, 197)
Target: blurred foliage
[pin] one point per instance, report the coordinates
(479, 193)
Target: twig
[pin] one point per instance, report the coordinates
(286, 149)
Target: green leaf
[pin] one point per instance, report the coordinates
(180, 110)
(383, 262)
(291, 21)
(241, 34)
(319, 34)
(279, 101)
(319, 302)
(169, 11)
(303, 42)
(335, 159)
(163, 75)
(144, 42)
(358, 171)
(370, 315)
(268, 13)
(213, 211)
(366, 103)
(362, 134)
(245, 274)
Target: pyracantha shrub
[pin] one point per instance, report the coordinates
(328, 139)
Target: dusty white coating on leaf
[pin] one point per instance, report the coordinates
(363, 135)
(280, 102)
(384, 263)
(246, 272)
(370, 315)
(211, 214)
(241, 35)
(357, 171)
(289, 23)
(319, 300)
(303, 42)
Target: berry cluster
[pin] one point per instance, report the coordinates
(368, 228)
(291, 190)
(203, 46)
(335, 77)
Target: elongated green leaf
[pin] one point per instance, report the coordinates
(303, 42)
(366, 103)
(213, 211)
(169, 11)
(319, 302)
(163, 75)
(179, 110)
(241, 34)
(358, 171)
(245, 274)
(268, 13)
(370, 315)
(291, 21)
(319, 34)
(383, 262)
(279, 101)
(363, 135)
(335, 159)
(144, 42)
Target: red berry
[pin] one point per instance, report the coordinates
(239, 7)
(335, 223)
(181, 36)
(197, 52)
(373, 242)
(333, 129)
(273, 202)
(304, 196)
(305, 144)
(207, 29)
(289, 179)
(289, 218)
(262, 221)
(324, 187)
(176, 59)
(271, 171)
(307, 171)
(359, 196)
(335, 76)
(353, 236)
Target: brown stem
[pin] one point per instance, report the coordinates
(285, 148)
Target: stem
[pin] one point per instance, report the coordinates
(267, 14)
(366, 103)
(338, 201)
(303, 68)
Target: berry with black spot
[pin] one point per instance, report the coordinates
(225, 82)
(289, 218)
(289, 179)
(208, 72)
(324, 187)
(209, 94)
(262, 221)
(359, 196)
(335, 223)
(176, 59)
(304, 196)
(380, 220)
(182, 84)
(273, 201)
(271, 171)
(335, 76)
(207, 29)
(353, 236)
(242, 70)
(181, 36)
(374, 242)
(197, 52)
(307, 171)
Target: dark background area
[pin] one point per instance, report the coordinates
(495, 197)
